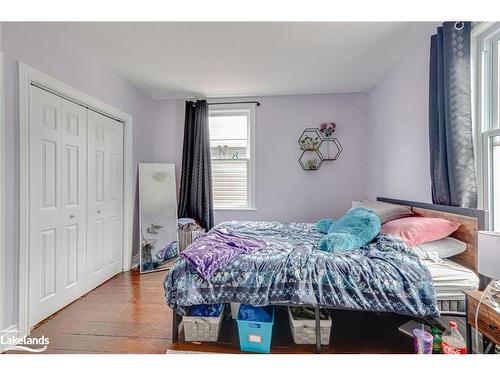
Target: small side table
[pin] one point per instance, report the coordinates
(488, 321)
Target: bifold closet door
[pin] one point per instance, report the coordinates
(105, 198)
(57, 184)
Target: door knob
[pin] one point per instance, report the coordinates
(98, 211)
(71, 216)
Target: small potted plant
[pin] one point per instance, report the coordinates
(309, 143)
(312, 164)
(327, 128)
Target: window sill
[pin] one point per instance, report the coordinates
(236, 209)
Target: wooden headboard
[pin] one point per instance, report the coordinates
(470, 220)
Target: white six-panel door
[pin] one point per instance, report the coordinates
(58, 141)
(105, 197)
(76, 201)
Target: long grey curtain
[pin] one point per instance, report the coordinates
(195, 199)
(453, 172)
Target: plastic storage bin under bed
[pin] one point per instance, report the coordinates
(255, 336)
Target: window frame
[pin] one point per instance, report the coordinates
(485, 62)
(249, 110)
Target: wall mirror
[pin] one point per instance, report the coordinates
(158, 216)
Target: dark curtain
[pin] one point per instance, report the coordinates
(453, 172)
(195, 200)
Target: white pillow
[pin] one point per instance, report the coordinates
(385, 211)
(443, 248)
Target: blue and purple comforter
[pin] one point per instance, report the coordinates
(383, 276)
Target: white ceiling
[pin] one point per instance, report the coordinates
(169, 60)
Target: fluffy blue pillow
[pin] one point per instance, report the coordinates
(323, 225)
(355, 229)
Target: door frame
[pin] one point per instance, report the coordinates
(27, 76)
(2, 181)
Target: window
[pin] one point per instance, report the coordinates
(487, 117)
(232, 151)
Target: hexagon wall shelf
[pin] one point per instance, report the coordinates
(316, 149)
(310, 139)
(310, 160)
(330, 149)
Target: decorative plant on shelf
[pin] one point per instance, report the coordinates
(309, 143)
(327, 128)
(312, 164)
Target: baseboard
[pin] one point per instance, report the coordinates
(7, 335)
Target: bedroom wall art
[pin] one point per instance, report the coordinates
(318, 145)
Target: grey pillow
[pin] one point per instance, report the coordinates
(443, 248)
(385, 211)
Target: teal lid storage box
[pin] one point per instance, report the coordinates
(255, 336)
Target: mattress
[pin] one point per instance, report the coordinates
(450, 279)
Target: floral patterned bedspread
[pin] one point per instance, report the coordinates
(383, 276)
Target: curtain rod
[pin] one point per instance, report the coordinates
(251, 102)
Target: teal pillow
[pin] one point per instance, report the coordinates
(323, 225)
(355, 229)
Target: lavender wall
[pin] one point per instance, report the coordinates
(285, 192)
(169, 133)
(384, 134)
(38, 46)
(398, 149)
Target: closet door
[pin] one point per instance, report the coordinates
(105, 198)
(57, 178)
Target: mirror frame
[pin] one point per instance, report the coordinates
(171, 261)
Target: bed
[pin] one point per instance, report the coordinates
(384, 276)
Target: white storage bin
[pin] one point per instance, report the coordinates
(202, 328)
(304, 331)
(235, 309)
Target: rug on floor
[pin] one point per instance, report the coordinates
(173, 351)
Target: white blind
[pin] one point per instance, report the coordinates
(229, 130)
(229, 183)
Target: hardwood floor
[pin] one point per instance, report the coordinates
(128, 314)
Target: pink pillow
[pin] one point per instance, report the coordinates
(418, 230)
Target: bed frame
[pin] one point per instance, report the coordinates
(470, 220)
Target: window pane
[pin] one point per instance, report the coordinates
(229, 152)
(229, 183)
(228, 136)
(496, 182)
(228, 127)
